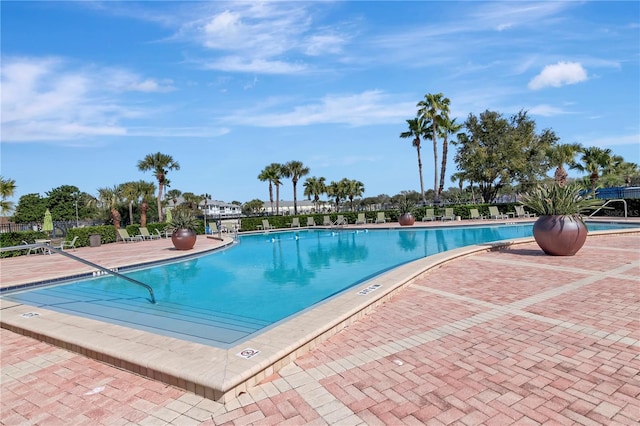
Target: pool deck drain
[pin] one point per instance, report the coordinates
(218, 374)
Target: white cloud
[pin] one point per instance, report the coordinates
(546, 110)
(559, 74)
(366, 108)
(46, 99)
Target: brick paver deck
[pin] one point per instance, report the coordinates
(499, 337)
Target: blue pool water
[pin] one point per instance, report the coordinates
(224, 297)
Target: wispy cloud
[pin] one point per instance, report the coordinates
(366, 108)
(559, 74)
(546, 110)
(48, 99)
(262, 37)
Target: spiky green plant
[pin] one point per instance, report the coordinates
(183, 219)
(556, 200)
(406, 206)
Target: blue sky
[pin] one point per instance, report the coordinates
(91, 88)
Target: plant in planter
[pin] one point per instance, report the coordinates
(405, 208)
(560, 230)
(183, 224)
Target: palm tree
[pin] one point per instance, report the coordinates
(592, 161)
(295, 170)
(315, 187)
(434, 109)
(206, 197)
(449, 127)
(354, 188)
(160, 164)
(558, 156)
(338, 190)
(272, 174)
(417, 128)
(7, 189)
(173, 194)
(110, 199)
(130, 194)
(145, 193)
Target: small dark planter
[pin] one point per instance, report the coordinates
(560, 235)
(183, 239)
(406, 219)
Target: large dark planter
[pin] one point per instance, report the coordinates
(406, 219)
(560, 235)
(183, 239)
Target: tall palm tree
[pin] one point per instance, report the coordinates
(295, 170)
(558, 156)
(160, 164)
(593, 160)
(7, 189)
(145, 194)
(434, 109)
(272, 174)
(354, 188)
(315, 187)
(449, 127)
(417, 128)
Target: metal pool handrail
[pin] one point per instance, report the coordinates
(81, 260)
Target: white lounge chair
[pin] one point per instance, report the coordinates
(362, 220)
(494, 213)
(448, 214)
(429, 215)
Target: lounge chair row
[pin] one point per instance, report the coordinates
(143, 235)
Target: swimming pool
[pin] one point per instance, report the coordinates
(223, 298)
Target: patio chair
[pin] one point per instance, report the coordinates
(124, 235)
(68, 244)
(326, 221)
(165, 231)
(448, 214)
(521, 212)
(380, 218)
(362, 220)
(341, 221)
(474, 214)
(494, 213)
(295, 223)
(31, 249)
(146, 235)
(266, 225)
(311, 221)
(429, 215)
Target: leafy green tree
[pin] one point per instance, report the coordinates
(30, 208)
(417, 128)
(295, 170)
(160, 164)
(61, 201)
(593, 160)
(434, 109)
(7, 189)
(315, 187)
(252, 207)
(494, 152)
(559, 155)
(272, 174)
(354, 188)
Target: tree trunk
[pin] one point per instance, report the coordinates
(115, 217)
(277, 199)
(271, 195)
(424, 200)
(144, 207)
(443, 167)
(295, 199)
(130, 212)
(435, 162)
(561, 176)
(160, 215)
